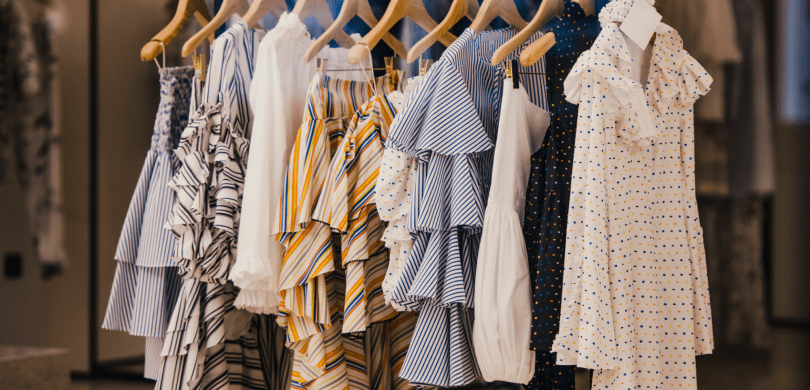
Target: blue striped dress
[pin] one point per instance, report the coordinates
(449, 124)
(146, 282)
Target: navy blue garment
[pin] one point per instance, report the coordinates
(549, 188)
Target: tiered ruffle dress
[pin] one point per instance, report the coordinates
(343, 334)
(209, 343)
(635, 294)
(146, 282)
(546, 213)
(449, 124)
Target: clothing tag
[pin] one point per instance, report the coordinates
(640, 23)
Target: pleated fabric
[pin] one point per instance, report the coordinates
(146, 281)
(449, 125)
(209, 343)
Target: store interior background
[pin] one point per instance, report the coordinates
(54, 312)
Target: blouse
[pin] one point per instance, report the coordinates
(502, 328)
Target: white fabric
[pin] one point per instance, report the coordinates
(635, 303)
(278, 94)
(393, 199)
(503, 307)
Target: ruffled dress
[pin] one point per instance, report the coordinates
(146, 282)
(547, 194)
(331, 301)
(209, 343)
(449, 125)
(635, 294)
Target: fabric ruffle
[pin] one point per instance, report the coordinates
(679, 77)
(617, 10)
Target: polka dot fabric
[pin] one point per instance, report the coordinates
(547, 196)
(635, 294)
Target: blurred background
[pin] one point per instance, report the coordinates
(64, 197)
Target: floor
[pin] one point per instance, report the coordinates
(786, 367)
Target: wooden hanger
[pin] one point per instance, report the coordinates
(397, 9)
(491, 9)
(348, 10)
(458, 9)
(259, 8)
(548, 10)
(320, 10)
(540, 47)
(185, 9)
(228, 8)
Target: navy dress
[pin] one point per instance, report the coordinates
(546, 213)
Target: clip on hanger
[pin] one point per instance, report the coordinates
(515, 74)
(424, 65)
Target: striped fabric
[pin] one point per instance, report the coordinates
(308, 242)
(209, 343)
(346, 204)
(449, 124)
(146, 283)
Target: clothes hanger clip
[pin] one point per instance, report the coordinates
(389, 69)
(507, 68)
(515, 70)
(320, 65)
(424, 65)
(164, 56)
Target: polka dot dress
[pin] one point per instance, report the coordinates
(547, 196)
(635, 293)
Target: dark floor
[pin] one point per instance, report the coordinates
(785, 367)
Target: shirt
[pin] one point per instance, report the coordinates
(503, 325)
(635, 285)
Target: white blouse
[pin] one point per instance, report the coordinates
(503, 307)
(635, 304)
(278, 94)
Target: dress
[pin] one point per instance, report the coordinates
(635, 286)
(449, 124)
(319, 301)
(278, 95)
(503, 322)
(544, 223)
(146, 281)
(209, 343)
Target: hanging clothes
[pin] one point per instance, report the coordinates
(146, 280)
(209, 343)
(319, 301)
(502, 329)
(547, 194)
(634, 259)
(449, 124)
(393, 200)
(278, 94)
(29, 126)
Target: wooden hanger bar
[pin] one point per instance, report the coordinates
(348, 10)
(185, 8)
(491, 9)
(229, 7)
(320, 10)
(259, 8)
(458, 10)
(540, 47)
(397, 9)
(548, 10)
